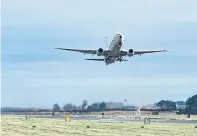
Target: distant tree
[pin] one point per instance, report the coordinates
(194, 101)
(74, 107)
(84, 103)
(89, 108)
(166, 105)
(56, 108)
(95, 106)
(68, 107)
(102, 106)
(161, 104)
(188, 106)
(191, 105)
(171, 105)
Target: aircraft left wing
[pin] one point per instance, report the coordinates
(124, 52)
(80, 50)
(144, 52)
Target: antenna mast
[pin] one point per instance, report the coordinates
(106, 42)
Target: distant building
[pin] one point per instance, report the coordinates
(130, 107)
(150, 107)
(114, 105)
(181, 107)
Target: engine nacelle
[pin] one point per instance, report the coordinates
(100, 51)
(130, 52)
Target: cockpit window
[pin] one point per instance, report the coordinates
(119, 35)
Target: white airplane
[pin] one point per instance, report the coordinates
(114, 52)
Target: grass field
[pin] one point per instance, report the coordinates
(16, 126)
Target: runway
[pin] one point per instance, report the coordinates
(110, 118)
(116, 118)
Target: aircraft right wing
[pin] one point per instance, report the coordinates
(85, 51)
(80, 50)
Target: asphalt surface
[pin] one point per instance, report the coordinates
(110, 118)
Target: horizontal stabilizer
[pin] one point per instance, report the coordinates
(122, 60)
(103, 59)
(96, 59)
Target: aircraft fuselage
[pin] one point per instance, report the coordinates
(114, 49)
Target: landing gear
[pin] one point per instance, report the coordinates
(107, 58)
(120, 59)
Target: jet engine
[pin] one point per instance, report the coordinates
(130, 52)
(99, 52)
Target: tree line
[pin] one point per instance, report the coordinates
(163, 105)
(190, 107)
(97, 106)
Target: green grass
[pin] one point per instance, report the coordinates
(16, 126)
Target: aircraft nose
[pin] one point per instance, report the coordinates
(119, 35)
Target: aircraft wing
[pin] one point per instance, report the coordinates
(124, 52)
(144, 52)
(80, 50)
(85, 51)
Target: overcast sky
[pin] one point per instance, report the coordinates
(36, 75)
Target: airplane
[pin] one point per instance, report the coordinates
(114, 52)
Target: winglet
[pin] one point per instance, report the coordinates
(164, 50)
